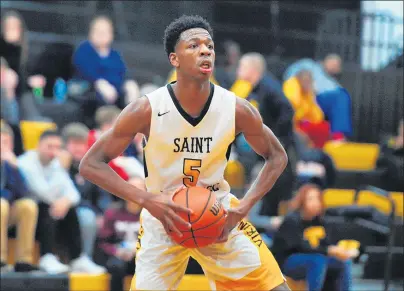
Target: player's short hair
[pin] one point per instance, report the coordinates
(6, 129)
(181, 24)
(49, 133)
(106, 114)
(75, 130)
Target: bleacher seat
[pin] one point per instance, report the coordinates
(32, 130)
(338, 197)
(352, 156)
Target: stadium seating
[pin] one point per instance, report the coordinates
(32, 130)
(352, 156)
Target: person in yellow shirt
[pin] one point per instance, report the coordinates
(300, 92)
(308, 116)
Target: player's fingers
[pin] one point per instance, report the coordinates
(172, 227)
(180, 208)
(179, 219)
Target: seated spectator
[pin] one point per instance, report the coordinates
(58, 199)
(391, 161)
(332, 98)
(100, 65)
(301, 244)
(313, 165)
(10, 109)
(118, 239)
(16, 208)
(308, 116)
(264, 91)
(15, 49)
(75, 136)
(125, 166)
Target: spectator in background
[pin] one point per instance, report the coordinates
(15, 49)
(332, 98)
(301, 245)
(100, 65)
(308, 117)
(75, 136)
(265, 92)
(118, 239)
(10, 109)
(391, 161)
(225, 72)
(313, 165)
(16, 208)
(58, 199)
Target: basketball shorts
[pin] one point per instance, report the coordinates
(242, 263)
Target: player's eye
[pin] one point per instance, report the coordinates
(211, 47)
(193, 46)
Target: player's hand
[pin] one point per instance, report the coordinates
(233, 217)
(164, 209)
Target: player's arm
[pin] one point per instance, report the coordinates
(264, 143)
(135, 118)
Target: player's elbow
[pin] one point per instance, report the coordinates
(279, 158)
(85, 168)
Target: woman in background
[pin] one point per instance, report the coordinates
(301, 245)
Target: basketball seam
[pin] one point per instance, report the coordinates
(189, 218)
(210, 224)
(203, 211)
(200, 236)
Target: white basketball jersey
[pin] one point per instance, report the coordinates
(182, 150)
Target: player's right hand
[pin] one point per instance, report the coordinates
(164, 209)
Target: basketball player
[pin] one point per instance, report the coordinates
(189, 126)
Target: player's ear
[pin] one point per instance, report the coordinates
(174, 60)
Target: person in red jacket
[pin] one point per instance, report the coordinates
(105, 117)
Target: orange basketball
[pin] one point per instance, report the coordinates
(207, 220)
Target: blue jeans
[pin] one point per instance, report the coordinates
(314, 268)
(88, 228)
(336, 105)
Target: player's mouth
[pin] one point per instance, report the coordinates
(206, 67)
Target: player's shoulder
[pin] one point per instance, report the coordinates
(163, 90)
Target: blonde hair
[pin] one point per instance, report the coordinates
(106, 114)
(75, 130)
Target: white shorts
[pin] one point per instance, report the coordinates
(242, 263)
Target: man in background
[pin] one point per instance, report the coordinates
(16, 208)
(57, 201)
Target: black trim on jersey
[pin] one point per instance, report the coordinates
(228, 152)
(146, 172)
(194, 121)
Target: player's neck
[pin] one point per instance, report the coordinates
(191, 92)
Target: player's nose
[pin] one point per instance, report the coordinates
(205, 51)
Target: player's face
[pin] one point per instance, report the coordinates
(194, 54)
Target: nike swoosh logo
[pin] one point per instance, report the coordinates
(161, 114)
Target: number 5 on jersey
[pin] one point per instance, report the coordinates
(191, 171)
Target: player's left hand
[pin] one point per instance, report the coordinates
(233, 217)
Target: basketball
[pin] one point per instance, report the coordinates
(207, 221)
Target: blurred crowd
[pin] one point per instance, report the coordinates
(43, 194)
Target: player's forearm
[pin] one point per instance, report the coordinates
(101, 174)
(266, 179)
